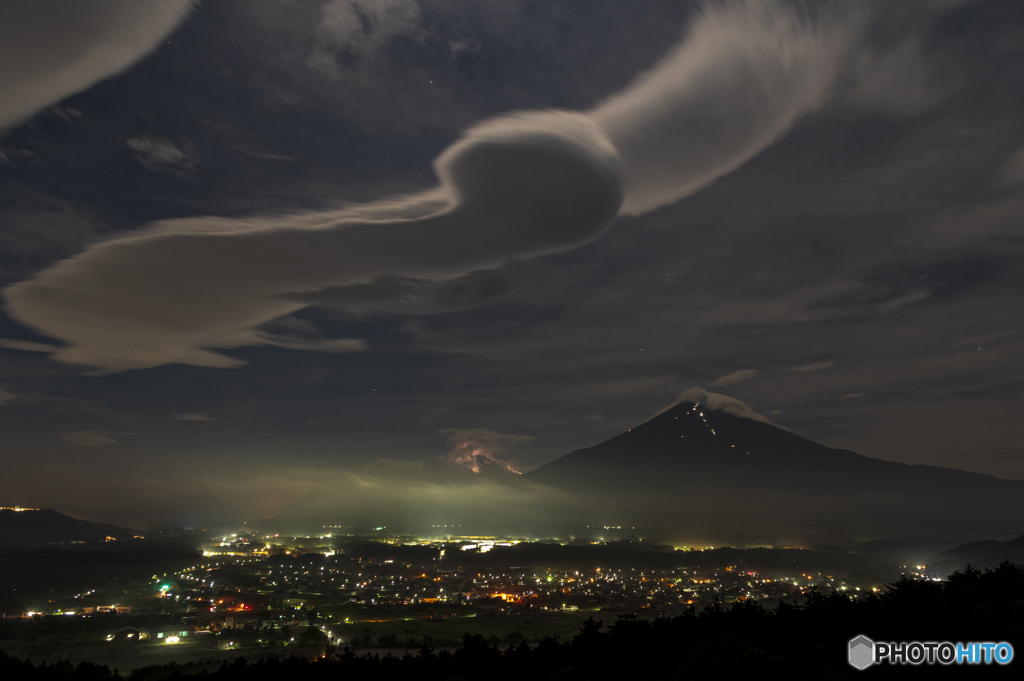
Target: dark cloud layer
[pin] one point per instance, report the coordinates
(405, 295)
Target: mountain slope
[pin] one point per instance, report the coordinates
(980, 554)
(714, 461)
(36, 527)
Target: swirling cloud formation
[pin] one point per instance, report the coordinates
(512, 188)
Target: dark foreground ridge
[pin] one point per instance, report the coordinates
(807, 641)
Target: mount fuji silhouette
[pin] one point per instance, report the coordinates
(711, 464)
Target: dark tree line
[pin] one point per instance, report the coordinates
(791, 641)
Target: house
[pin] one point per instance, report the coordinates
(170, 633)
(126, 635)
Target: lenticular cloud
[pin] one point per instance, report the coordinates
(50, 50)
(742, 76)
(515, 187)
(512, 188)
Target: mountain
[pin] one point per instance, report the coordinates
(37, 527)
(713, 466)
(980, 554)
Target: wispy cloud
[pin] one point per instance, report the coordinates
(192, 417)
(27, 346)
(814, 366)
(159, 154)
(1013, 170)
(741, 77)
(909, 298)
(358, 28)
(981, 339)
(718, 402)
(87, 438)
(735, 377)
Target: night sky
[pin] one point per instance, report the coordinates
(264, 258)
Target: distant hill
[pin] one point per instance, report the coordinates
(980, 554)
(714, 466)
(35, 528)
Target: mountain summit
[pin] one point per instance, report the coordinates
(711, 461)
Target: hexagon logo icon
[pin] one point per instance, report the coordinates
(862, 652)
